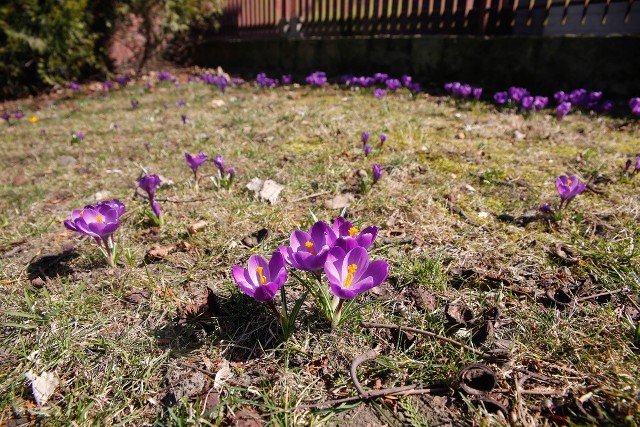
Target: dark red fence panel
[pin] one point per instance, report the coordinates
(330, 18)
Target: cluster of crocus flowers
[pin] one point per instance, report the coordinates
(462, 90)
(317, 78)
(340, 251)
(77, 136)
(99, 221)
(263, 80)
(568, 188)
(636, 166)
(220, 81)
(149, 184)
(383, 82)
(225, 174)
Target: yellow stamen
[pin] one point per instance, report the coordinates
(81, 213)
(263, 279)
(353, 231)
(309, 246)
(569, 182)
(99, 218)
(351, 270)
(34, 119)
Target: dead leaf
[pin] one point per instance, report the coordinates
(459, 314)
(43, 386)
(255, 238)
(197, 226)
(19, 180)
(160, 252)
(247, 417)
(340, 201)
(268, 190)
(223, 375)
(136, 295)
(477, 379)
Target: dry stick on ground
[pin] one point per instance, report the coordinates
(429, 334)
(601, 294)
(371, 394)
(310, 196)
(203, 199)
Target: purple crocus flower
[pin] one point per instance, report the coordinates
(367, 149)
(263, 81)
(194, 162)
(351, 274)
(477, 92)
(74, 86)
(501, 98)
(463, 91)
(308, 251)
(517, 94)
(377, 171)
(569, 187)
(365, 137)
(540, 103)
(183, 117)
(562, 110)
(527, 103)
(100, 222)
(5, 116)
(415, 88)
(97, 222)
(381, 77)
(219, 162)
(122, 80)
(578, 96)
(231, 171)
(560, 96)
(636, 166)
(181, 103)
(379, 93)
(634, 104)
(262, 280)
(406, 80)
(77, 136)
(393, 84)
(349, 237)
(18, 115)
(165, 76)
(150, 183)
(607, 105)
(107, 85)
(135, 103)
(287, 79)
(383, 138)
(545, 208)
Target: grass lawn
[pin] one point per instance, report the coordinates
(459, 226)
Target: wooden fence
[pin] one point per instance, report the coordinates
(333, 18)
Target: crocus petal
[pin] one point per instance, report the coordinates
(277, 268)
(70, 225)
(360, 258)
(333, 265)
(298, 239)
(240, 276)
(367, 236)
(266, 292)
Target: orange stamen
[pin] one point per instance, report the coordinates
(351, 270)
(99, 219)
(569, 182)
(353, 231)
(263, 279)
(309, 246)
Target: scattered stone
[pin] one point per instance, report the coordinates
(340, 201)
(136, 295)
(197, 226)
(43, 386)
(519, 135)
(65, 161)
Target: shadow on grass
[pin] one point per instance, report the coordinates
(243, 328)
(48, 266)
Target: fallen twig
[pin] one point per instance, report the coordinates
(601, 294)
(429, 334)
(203, 199)
(309, 196)
(369, 355)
